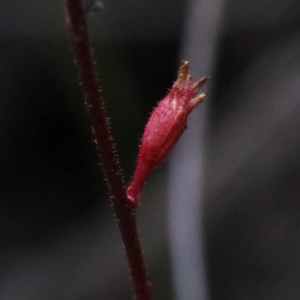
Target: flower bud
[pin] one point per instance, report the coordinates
(164, 128)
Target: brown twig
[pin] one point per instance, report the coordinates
(125, 215)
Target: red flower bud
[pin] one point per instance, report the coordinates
(164, 128)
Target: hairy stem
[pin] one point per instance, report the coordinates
(125, 215)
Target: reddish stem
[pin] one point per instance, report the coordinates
(125, 215)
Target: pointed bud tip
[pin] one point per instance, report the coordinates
(196, 101)
(200, 97)
(198, 84)
(185, 66)
(183, 75)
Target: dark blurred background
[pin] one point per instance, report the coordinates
(58, 237)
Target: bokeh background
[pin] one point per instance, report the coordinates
(220, 219)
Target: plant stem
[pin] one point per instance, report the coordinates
(125, 215)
